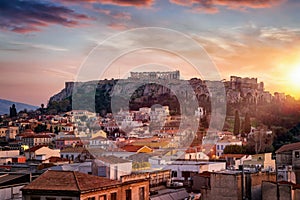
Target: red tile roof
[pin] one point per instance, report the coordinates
(69, 181)
(132, 148)
(69, 138)
(289, 147)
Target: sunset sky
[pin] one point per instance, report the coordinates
(45, 43)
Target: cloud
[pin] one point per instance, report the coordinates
(268, 53)
(117, 26)
(40, 46)
(211, 6)
(59, 73)
(29, 16)
(115, 14)
(126, 3)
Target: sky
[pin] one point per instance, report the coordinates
(45, 43)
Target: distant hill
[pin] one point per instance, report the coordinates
(5, 104)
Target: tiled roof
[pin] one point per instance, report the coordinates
(8, 177)
(73, 150)
(69, 181)
(227, 139)
(233, 156)
(289, 147)
(35, 148)
(68, 138)
(134, 148)
(54, 159)
(37, 136)
(112, 159)
(131, 148)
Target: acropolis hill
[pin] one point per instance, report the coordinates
(237, 89)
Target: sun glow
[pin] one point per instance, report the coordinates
(294, 80)
(295, 77)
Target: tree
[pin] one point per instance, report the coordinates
(234, 149)
(12, 111)
(42, 108)
(40, 128)
(247, 124)
(236, 129)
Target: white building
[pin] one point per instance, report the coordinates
(183, 170)
(111, 167)
(225, 141)
(199, 112)
(41, 153)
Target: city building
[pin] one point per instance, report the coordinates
(225, 141)
(234, 185)
(288, 163)
(70, 185)
(68, 142)
(184, 170)
(34, 140)
(111, 167)
(41, 153)
(261, 161)
(281, 190)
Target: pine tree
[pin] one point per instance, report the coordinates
(247, 124)
(13, 111)
(236, 129)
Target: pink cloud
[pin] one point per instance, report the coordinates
(211, 6)
(126, 3)
(117, 26)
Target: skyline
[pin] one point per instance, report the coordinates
(44, 43)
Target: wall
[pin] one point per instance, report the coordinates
(106, 192)
(11, 192)
(269, 191)
(227, 185)
(135, 189)
(11, 153)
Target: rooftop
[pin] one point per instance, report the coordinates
(289, 147)
(111, 159)
(35, 148)
(69, 181)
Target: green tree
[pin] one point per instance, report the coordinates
(236, 129)
(234, 149)
(40, 128)
(247, 124)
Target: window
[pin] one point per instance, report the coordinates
(128, 194)
(91, 198)
(50, 198)
(142, 193)
(102, 197)
(113, 196)
(297, 154)
(174, 173)
(218, 147)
